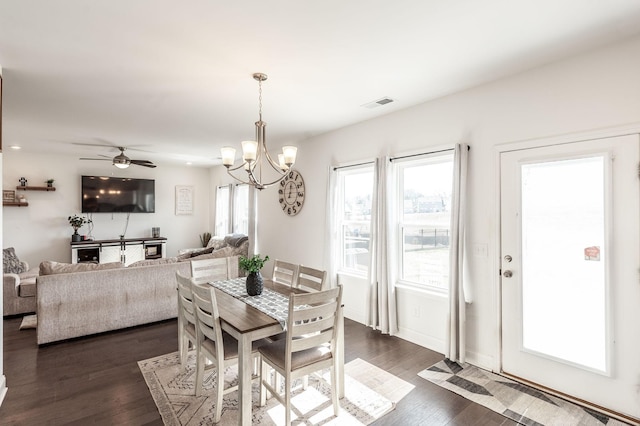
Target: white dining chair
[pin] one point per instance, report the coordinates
(214, 347)
(311, 279)
(186, 318)
(310, 345)
(217, 269)
(285, 273)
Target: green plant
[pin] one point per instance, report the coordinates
(252, 264)
(205, 238)
(50, 181)
(76, 221)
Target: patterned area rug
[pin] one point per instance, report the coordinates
(370, 393)
(29, 321)
(523, 404)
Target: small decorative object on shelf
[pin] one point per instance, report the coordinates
(253, 265)
(8, 196)
(23, 181)
(76, 223)
(50, 182)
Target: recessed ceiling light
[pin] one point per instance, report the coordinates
(16, 147)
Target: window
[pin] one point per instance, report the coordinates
(223, 196)
(424, 219)
(241, 209)
(354, 205)
(232, 209)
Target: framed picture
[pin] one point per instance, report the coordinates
(184, 199)
(8, 196)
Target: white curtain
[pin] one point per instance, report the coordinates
(331, 242)
(456, 319)
(382, 314)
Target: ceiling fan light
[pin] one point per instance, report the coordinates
(121, 165)
(121, 161)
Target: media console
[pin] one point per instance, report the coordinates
(125, 250)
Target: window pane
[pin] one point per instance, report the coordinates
(355, 203)
(222, 210)
(425, 213)
(241, 209)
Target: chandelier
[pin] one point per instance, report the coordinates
(256, 159)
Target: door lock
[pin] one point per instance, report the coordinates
(508, 258)
(507, 274)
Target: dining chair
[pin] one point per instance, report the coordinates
(186, 318)
(214, 347)
(285, 273)
(311, 279)
(217, 269)
(309, 346)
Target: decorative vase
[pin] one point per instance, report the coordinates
(75, 237)
(254, 283)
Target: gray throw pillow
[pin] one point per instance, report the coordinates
(11, 263)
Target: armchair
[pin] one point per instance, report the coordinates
(19, 291)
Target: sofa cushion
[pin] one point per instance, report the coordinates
(216, 243)
(223, 252)
(49, 267)
(11, 263)
(235, 240)
(27, 288)
(149, 262)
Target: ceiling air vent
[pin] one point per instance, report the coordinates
(378, 103)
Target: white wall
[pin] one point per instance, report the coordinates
(41, 230)
(592, 91)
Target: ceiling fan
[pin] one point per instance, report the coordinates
(121, 161)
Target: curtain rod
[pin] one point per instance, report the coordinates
(424, 153)
(352, 165)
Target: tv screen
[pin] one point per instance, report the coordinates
(108, 194)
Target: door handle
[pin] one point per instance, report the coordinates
(507, 274)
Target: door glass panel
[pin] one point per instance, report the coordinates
(563, 260)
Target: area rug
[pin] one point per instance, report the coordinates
(370, 393)
(29, 321)
(518, 402)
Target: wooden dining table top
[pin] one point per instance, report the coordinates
(245, 318)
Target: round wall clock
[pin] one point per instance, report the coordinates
(291, 193)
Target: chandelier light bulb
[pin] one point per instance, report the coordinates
(228, 155)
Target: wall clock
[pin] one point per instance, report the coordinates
(291, 193)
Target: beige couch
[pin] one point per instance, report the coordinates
(19, 292)
(74, 304)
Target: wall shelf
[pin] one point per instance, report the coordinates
(35, 188)
(15, 203)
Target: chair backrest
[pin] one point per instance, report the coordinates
(285, 273)
(185, 298)
(208, 318)
(217, 269)
(311, 279)
(313, 320)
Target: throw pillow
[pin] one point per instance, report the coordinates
(11, 263)
(216, 243)
(203, 251)
(235, 240)
(49, 267)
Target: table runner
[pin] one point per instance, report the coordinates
(270, 302)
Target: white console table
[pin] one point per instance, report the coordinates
(125, 250)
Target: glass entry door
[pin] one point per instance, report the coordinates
(570, 257)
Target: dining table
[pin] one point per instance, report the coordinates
(247, 324)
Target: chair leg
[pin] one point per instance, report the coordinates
(200, 361)
(219, 391)
(287, 400)
(263, 390)
(334, 390)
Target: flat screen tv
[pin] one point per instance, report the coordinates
(108, 194)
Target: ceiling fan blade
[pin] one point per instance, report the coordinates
(99, 159)
(144, 163)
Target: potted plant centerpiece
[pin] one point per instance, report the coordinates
(254, 280)
(76, 223)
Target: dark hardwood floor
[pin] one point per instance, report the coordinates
(95, 380)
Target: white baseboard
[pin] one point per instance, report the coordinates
(428, 342)
(480, 360)
(3, 388)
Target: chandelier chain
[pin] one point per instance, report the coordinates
(260, 98)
